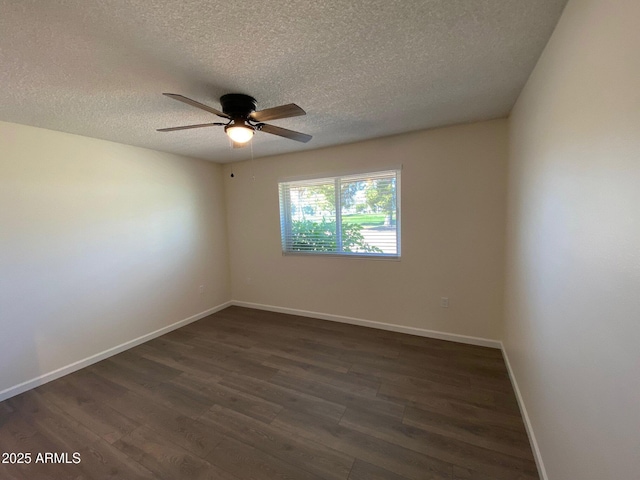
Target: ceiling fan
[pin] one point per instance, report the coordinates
(243, 120)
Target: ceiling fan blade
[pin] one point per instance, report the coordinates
(186, 127)
(286, 133)
(199, 105)
(283, 111)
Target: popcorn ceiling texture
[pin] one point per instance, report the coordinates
(360, 68)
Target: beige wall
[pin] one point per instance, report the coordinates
(100, 243)
(453, 213)
(573, 296)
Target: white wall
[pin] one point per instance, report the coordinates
(572, 329)
(453, 214)
(100, 243)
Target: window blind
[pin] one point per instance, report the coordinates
(344, 215)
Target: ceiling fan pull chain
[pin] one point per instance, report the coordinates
(253, 174)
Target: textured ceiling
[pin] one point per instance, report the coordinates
(360, 68)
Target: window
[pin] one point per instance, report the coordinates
(356, 215)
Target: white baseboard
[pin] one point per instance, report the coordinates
(60, 372)
(453, 337)
(525, 416)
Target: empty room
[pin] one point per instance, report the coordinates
(337, 240)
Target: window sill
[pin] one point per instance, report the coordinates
(368, 256)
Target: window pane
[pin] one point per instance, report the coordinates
(313, 218)
(369, 215)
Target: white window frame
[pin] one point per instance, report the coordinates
(286, 221)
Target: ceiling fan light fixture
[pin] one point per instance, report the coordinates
(239, 133)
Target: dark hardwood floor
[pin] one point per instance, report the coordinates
(247, 394)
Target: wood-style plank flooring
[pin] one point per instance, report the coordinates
(248, 394)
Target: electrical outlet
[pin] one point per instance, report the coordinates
(444, 302)
(201, 289)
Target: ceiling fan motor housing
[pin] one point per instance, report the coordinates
(238, 105)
